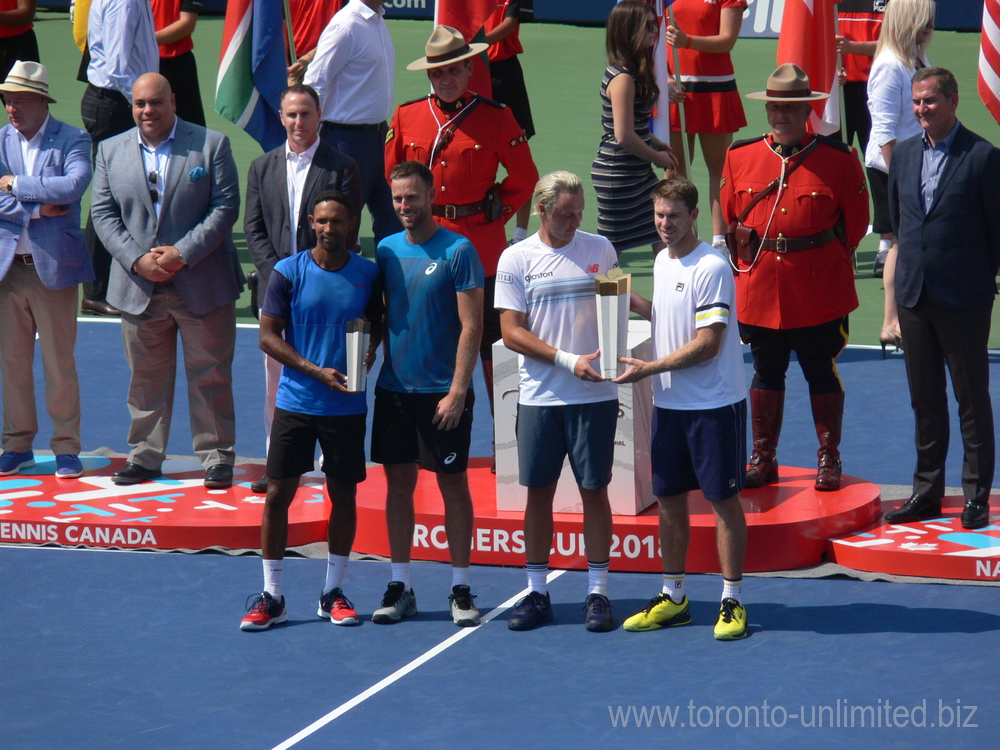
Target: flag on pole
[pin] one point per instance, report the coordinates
(808, 40)
(661, 120)
(469, 17)
(989, 58)
(252, 71)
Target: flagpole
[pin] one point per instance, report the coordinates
(292, 57)
(680, 104)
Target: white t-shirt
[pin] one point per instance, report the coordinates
(690, 293)
(555, 287)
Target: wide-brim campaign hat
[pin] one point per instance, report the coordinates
(28, 76)
(446, 45)
(789, 83)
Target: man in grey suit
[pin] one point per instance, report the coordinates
(282, 184)
(944, 204)
(165, 199)
(45, 171)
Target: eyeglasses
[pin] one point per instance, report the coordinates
(154, 194)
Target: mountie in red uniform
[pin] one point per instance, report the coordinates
(796, 294)
(810, 286)
(470, 138)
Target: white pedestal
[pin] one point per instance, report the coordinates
(630, 490)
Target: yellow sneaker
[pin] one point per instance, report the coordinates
(661, 612)
(732, 622)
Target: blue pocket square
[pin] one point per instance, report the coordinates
(197, 173)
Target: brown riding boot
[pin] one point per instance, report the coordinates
(828, 414)
(766, 411)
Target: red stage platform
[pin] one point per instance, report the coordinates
(935, 548)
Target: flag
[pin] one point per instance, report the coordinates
(808, 40)
(469, 16)
(989, 58)
(252, 72)
(661, 119)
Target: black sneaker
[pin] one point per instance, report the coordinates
(397, 603)
(599, 618)
(533, 610)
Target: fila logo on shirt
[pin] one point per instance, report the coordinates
(430, 269)
(679, 287)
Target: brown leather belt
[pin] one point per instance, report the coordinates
(451, 211)
(783, 244)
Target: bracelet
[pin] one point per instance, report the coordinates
(566, 360)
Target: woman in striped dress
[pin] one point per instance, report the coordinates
(623, 173)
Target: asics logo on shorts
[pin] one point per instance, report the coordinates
(430, 269)
(450, 458)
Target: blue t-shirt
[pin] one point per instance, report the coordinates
(316, 305)
(422, 324)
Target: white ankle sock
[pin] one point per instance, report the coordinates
(537, 573)
(673, 586)
(336, 565)
(459, 576)
(401, 572)
(597, 577)
(732, 590)
(272, 577)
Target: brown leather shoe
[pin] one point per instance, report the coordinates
(767, 408)
(99, 307)
(828, 415)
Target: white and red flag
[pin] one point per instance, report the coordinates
(808, 39)
(989, 58)
(469, 16)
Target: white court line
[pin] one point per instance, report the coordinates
(405, 670)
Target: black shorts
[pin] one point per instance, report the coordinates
(403, 432)
(491, 320)
(878, 185)
(293, 445)
(508, 88)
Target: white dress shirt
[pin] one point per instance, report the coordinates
(296, 169)
(122, 41)
(353, 68)
(29, 157)
(156, 159)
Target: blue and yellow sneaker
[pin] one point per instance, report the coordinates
(661, 612)
(732, 622)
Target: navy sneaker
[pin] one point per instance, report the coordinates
(68, 466)
(12, 462)
(533, 610)
(599, 618)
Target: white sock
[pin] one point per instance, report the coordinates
(519, 234)
(733, 590)
(537, 573)
(716, 238)
(459, 576)
(597, 577)
(884, 244)
(336, 565)
(401, 572)
(673, 586)
(272, 577)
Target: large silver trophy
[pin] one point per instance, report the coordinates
(613, 295)
(358, 339)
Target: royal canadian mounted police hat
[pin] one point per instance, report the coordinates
(28, 76)
(446, 45)
(789, 83)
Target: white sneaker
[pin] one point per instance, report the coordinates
(463, 611)
(397, 603)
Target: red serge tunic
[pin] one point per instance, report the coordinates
(805, 287)
(466, 167)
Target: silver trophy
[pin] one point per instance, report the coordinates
(358, 338)
(613, 296)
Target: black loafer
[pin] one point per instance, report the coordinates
(914, 509)
(975, 515)
(219, 477)
(132, 473)
(259, 486)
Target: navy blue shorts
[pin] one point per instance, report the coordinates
(546, 435)
(700, 449)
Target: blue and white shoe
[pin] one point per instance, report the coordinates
(12, 462)
(68, 466)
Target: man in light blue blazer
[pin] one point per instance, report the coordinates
(45, 170)
(164, 202)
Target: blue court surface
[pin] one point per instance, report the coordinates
(143, 650)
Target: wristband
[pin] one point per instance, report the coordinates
(566, 360)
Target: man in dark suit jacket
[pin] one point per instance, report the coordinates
(166, 195)
(296, 172)
(944, 203)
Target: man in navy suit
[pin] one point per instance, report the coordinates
(281, 184)
(45, 171)
(944, 203)
(166, 195)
